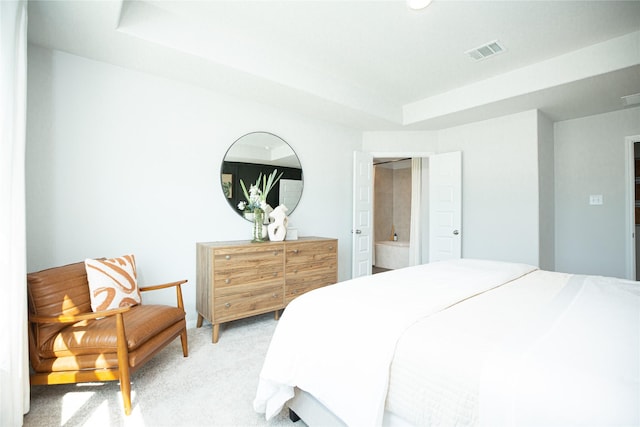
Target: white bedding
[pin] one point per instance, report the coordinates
(337, 342)
(438, 363)
(577, 363)
(548, 349)
(529, 348)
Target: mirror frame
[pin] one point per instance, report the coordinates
(241, 166)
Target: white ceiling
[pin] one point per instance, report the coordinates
(373, 65)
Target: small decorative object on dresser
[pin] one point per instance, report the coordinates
(238, 279)
(278, 228)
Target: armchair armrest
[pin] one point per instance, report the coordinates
(168, 285)
(78, 317)
(164, 285)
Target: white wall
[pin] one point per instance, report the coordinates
(499, 186)
(125, 162)
(400, 142)
(590, 159)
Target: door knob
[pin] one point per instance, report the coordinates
(456, 232)
(357, 231)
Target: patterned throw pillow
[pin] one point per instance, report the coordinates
(112, 282)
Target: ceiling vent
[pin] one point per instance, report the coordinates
(486, 50)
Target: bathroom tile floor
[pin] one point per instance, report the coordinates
(379, 270)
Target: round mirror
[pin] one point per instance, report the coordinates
(256, 155)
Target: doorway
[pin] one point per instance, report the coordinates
(445, 197)
(633, 206)
(392, 200)
(636, 203)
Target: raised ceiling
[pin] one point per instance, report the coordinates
(372, 65)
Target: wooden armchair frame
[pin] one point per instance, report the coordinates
(124, 370)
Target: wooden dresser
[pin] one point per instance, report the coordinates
(239, 279)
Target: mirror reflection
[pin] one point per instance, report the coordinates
(259, 153)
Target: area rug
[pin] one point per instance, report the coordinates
(214, 386)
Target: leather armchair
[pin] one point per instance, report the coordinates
(68, 343)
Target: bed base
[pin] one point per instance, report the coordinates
(313, 413)
(307, 408)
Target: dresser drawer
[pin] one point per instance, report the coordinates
(248, 302)
(297, 286)
(250, 259)
(306, 253)
(295, 271)
(251, 266)
(233, 278)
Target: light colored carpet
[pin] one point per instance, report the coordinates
(214, 386)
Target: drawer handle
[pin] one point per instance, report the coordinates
(275, 274)
(227, 305)
(295, 271)
(228, 257)
(330, 248)
(227, 281)
(295, 251)
(275, 295)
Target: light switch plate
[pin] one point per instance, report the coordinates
(595, 199)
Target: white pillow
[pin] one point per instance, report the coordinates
(112, 282)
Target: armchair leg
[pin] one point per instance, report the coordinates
(185, 345)
(123, 364)
(125, 389)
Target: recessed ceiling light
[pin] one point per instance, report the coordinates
(418, 4)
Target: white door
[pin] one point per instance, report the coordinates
(445, 206)
(290, 192)
(361, 241)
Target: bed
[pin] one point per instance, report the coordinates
(464, 342)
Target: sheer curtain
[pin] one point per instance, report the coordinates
(14, 374)
(415, 232)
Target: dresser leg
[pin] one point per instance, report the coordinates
(276, 314)
(199, 322)
(216, 332)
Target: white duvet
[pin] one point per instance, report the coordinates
(548, 349)
(348, 372)
(438, 363)
(577, 363)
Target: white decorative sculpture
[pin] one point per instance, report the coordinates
(278, 228)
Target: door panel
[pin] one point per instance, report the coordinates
(445, 206)
(290, 192)
(361, 244)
